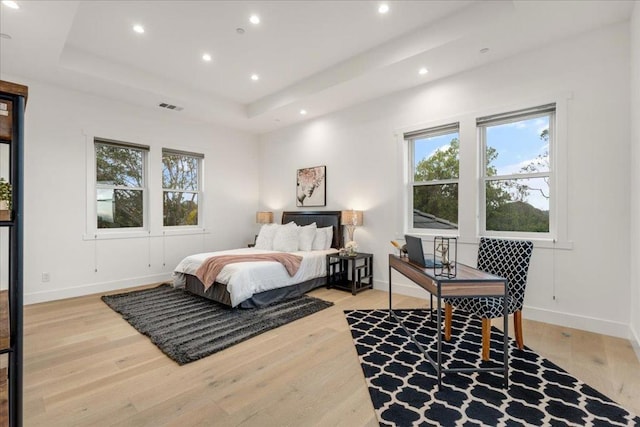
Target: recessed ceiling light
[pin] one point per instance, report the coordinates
(255, 77)
(484, 50)
(11, 4)
(138, 28)
(240, 30)
(254, 19)
(5, 36)
(303, 112)
(422, 71)
(206, 57)
(383, 8)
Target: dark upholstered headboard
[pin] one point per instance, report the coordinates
(321, 218)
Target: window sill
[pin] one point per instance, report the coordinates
(173, 231)
(183, 231)
(538, 242)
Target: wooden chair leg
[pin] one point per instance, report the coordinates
(447, 321)
(517, 325)
(486, 338)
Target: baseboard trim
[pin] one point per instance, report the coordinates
(585, 323)
(93, 288)
(408, 289)
(635, 341)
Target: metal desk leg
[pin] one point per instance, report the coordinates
(431, 308)
(506, 338)
(439, 327)
(390, 293)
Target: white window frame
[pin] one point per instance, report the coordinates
(92, 213)
(482, 123)
(199, 191)
(410, 137)
(469, 200)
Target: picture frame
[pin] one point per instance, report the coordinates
(311, 186)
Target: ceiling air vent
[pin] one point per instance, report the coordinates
(170, 106)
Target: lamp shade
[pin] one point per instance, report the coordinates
(264, 217)
(351, 217)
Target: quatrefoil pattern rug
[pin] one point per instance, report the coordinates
(403, 385)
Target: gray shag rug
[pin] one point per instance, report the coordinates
(187, 327)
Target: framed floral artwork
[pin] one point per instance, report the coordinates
(311, 186)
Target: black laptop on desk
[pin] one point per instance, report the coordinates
(416, 253)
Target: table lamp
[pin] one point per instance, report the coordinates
(351, 219)
(264, 217)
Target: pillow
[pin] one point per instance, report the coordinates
(329, 235)
(323, 239)
(266, 235)
(320, 240)
(286, 239)
(307, 234)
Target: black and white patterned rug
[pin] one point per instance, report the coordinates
(403, 385)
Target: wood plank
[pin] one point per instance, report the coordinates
(4, 396)
(4, 319)
(106, 373)
(14, 89)
(4, 344)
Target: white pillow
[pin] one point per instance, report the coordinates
(320, 240)
(266, 235)
(329, 235)
(323, 239)
(286, 239)
(307, 233)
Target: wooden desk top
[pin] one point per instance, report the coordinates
(469, 281)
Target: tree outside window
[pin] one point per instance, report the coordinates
(517, 171)
(435, 172)
(120, 185)
(181, 187)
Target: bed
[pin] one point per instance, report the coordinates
(256, 284)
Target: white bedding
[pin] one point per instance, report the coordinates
(244, 279)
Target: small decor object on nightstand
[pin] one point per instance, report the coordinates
(447, 249)
(5, 200)
(352, 248)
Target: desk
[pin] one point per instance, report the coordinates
(468, 283)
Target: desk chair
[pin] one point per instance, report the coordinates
(504, 258)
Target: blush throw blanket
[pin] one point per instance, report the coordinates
(212, 266)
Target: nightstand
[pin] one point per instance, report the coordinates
(350, 272)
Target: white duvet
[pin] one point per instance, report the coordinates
(244, 279)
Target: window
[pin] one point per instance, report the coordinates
(120, 184)
(181, 187)
(516, 169)
(434, 173)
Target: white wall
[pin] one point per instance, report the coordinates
(635, 172)
(590, 281)
(60, 125)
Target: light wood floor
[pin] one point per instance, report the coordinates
(4, 343)
(85, 366)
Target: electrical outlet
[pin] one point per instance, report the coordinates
(45, 277)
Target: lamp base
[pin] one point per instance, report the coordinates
(350, 230)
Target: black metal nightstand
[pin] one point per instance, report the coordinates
(350, 272)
